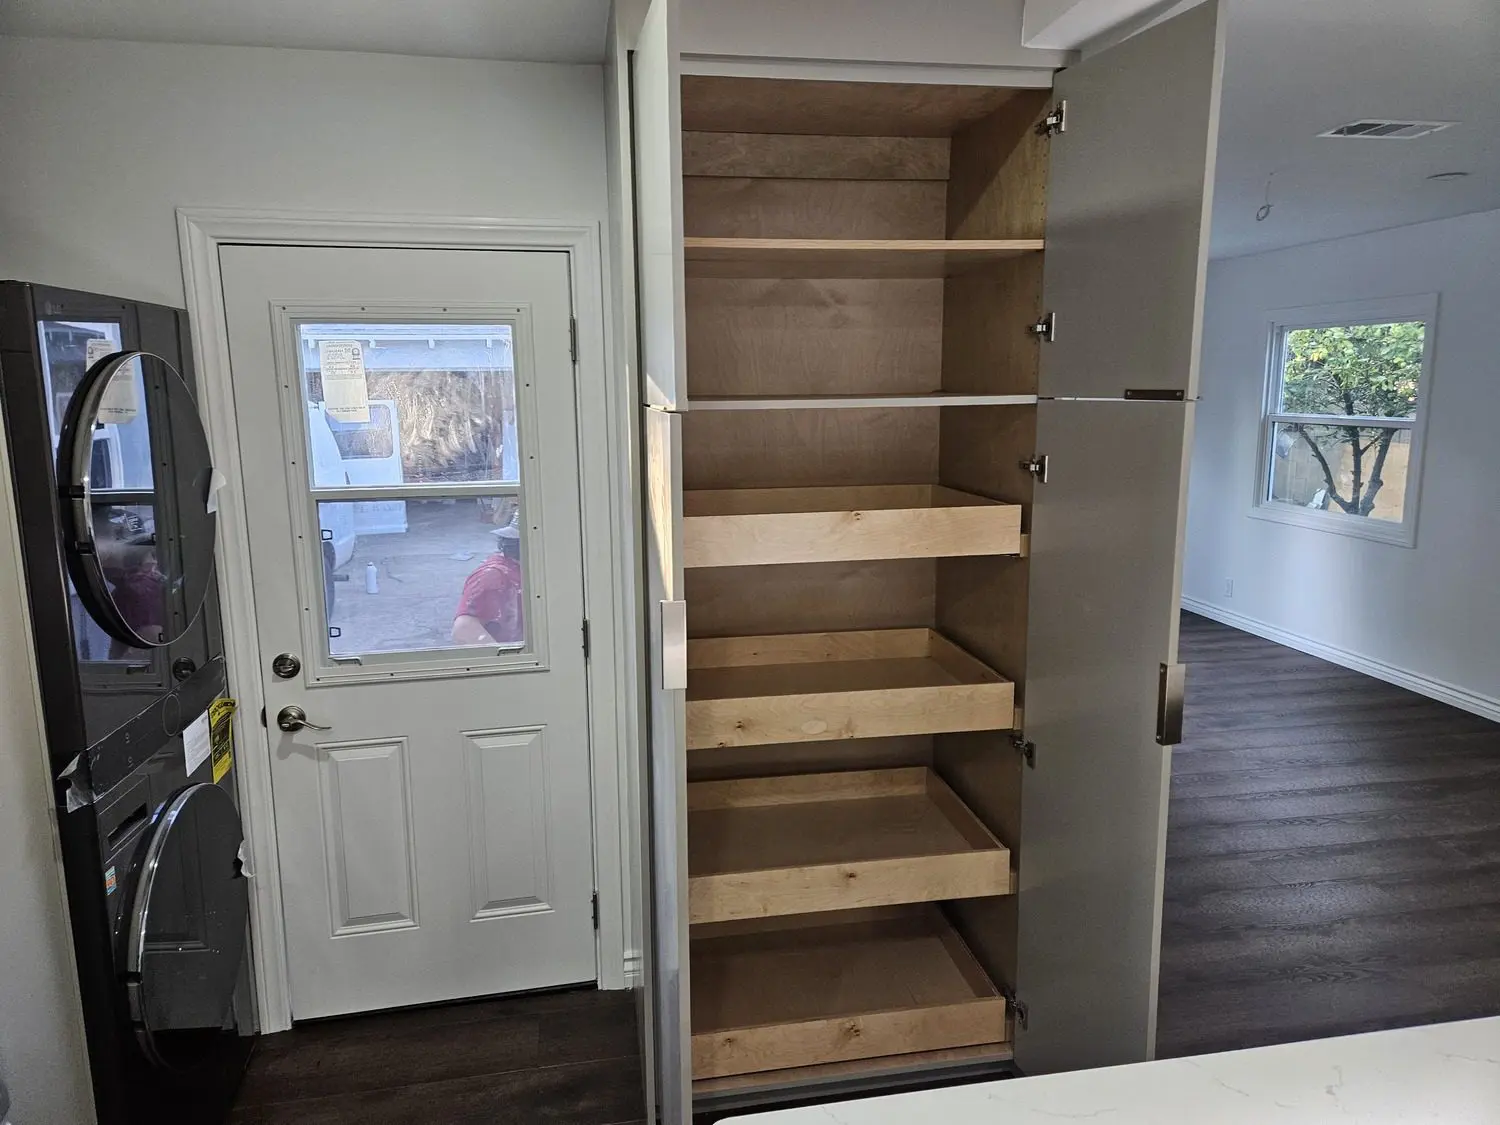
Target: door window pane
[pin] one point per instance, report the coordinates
(1357, 471)
(409, 403)
(424, 575)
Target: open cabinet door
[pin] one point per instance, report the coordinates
(1128, 205)
(1126, 258)
(656, 83)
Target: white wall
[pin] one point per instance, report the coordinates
(99, 143)
(102, 140)
(1428, 616)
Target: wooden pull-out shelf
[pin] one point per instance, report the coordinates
(840, 257)
(761, 847)
(753, 526)
(810, 687)
(768, 996)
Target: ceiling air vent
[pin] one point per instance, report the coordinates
(1389, 130)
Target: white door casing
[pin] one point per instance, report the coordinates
(436, 842)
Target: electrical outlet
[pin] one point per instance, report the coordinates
(1229, 587)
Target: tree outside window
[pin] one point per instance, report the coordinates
(1344, 400)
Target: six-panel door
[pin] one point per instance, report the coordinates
(410, 453)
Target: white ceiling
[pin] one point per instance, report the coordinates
(538, 30)
(1295, 68)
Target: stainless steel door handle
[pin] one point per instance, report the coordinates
(295, 719)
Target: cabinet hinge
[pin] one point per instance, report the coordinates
(262, 716)
(1017, 1007)
(1055, 122)
(596, 910)
(1038, 466)
(587, 640)
(573, 337)
(1046, 328)
(1024, 748)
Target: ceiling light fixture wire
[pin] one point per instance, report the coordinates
(1263, 212)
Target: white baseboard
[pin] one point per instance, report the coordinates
(635, 969)
(1481, 705)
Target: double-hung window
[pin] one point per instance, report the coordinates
(1346, 397)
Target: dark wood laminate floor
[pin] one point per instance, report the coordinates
(1333, 853)
(570, 1058)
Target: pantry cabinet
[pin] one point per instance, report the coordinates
(917, 375)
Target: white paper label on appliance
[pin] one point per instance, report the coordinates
(196, 743)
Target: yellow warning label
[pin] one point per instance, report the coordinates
(221, 735)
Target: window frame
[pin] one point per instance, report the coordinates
(1279, 322)
(326, 669)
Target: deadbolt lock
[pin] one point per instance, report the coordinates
(286, 665)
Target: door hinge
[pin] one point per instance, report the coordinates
(1169, 692)
(1024, 748)
(573, 337)
(1046, 328)
(1022, 1013)
(587, 640)
(262, 716)
(596, 910)
(1055, 122)
(1038, 466)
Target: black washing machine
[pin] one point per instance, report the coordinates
(115, 492)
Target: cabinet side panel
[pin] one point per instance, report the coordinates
(666, 766)
(656, 97)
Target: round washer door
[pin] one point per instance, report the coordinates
(135, 476)
(185, 927)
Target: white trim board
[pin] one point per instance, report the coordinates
(1481, 705)
(606, 454)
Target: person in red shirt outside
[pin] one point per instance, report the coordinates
(490, 610)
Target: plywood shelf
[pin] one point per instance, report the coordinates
(808, 687)
(867, 984)
(836, 257)
(756, 526)
(857, 402)
(762, 847)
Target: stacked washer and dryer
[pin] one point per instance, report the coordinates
(115, 491)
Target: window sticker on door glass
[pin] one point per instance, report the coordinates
(424, 575)
(346, 394)
(95, 350)
(121, 401)
(69, 349)
(440, 405)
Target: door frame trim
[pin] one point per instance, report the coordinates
(606, 460)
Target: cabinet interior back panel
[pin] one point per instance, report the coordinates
(716, 207)
(794, 336)
(818, 160)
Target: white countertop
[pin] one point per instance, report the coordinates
(1447, 1073)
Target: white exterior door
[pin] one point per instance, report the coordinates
(408, 424)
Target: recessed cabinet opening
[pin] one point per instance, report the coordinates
(863, 271)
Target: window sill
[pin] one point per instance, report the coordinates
(1336, 523)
